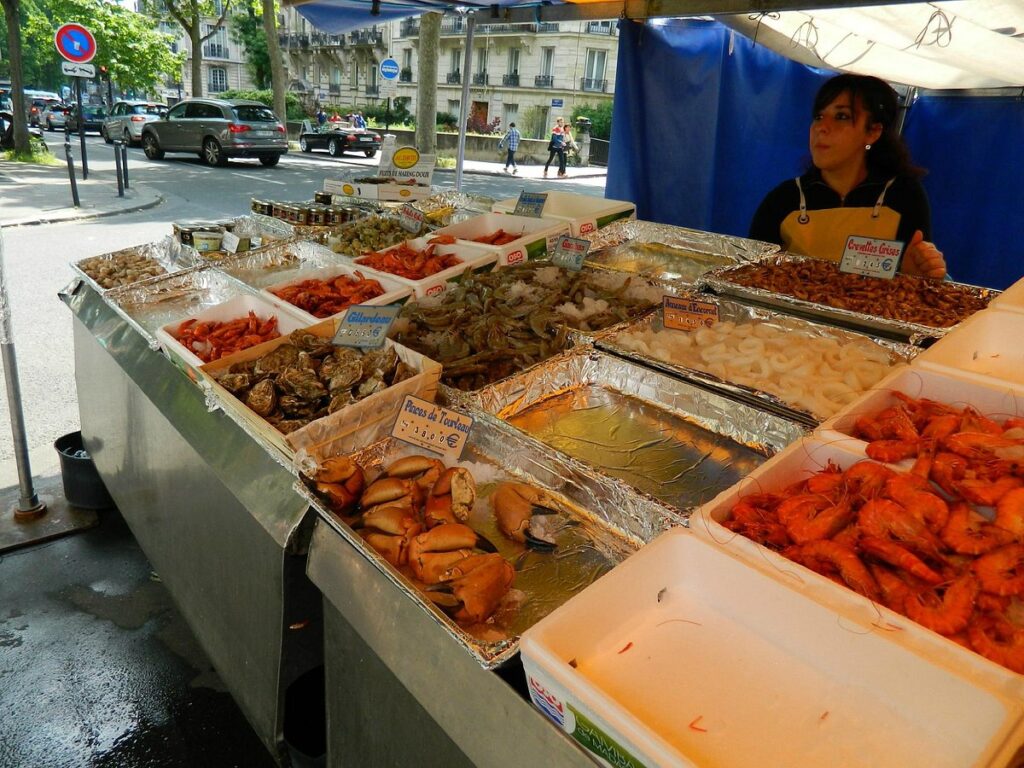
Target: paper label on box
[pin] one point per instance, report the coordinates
(411, 219)
(588, 226)
(587, 733)
(570, 252)
(547, 702)
(428, 425)
(531, 204)
(871, 257)
(232, 243)
(365, 327)
(683, 313)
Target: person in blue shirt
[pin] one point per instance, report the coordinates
(360, 121)
(511, 139)
(321, 117)
(556, 148)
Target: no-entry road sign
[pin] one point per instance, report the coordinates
(75, 43)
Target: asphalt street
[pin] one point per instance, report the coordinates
(37, 259)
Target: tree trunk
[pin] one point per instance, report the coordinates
(277, 74)
(426, 88)
(197, 60)
(11, 14)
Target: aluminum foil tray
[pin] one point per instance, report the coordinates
(276, 263)
(166, 253)
(744, 314)
(670, 439)
(610, 523)
(670, 253)
(262, 225)
(719, 281)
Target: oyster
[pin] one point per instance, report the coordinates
(235, 383)
(307, 361)
(262, 398)
(302, 382)
(286, 426)
(380, 363)
(295, 406)
(247, 367)
(370, 386)
(340, 400)
(402, 372)
(318, 346)
(346, 376)
(276, 361)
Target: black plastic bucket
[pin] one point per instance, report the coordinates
(82, 484)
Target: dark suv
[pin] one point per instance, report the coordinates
(217, 130)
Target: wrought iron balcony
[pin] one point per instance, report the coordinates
(511, 81)
(517, 28)
(480, 78)
(405, 76)
(215, 51)
(593, 85)
(453, 25)
(409, 28)
(454, 78)
(601, 28)
(544, 81)
(323, 40)
(366, 37)
(334, 89)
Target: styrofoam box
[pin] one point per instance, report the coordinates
(989, 346)
(584, 213)
(795, 463)
(685, 656)
(474, 257)
(289, 319)
(998, 401)
(394, 291)
(1012, 299)
(539, 236)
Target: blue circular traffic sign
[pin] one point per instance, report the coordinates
(389, 69)
(75, 43)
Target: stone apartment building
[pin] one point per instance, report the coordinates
(541, 70)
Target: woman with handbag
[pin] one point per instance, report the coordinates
(556, 148)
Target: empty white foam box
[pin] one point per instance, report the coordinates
(989, 346)
(538, 236)
(1011, 299)
(394, 291)
(473, 257)
(584, 213)
(288, 320)
(686, 656)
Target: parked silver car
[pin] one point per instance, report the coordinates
(53, 115)
(126, 119)
(217, 130)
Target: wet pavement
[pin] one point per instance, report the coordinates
(98, 668)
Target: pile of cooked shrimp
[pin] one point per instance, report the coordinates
(942, 543)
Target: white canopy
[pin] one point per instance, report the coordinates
(964, 44)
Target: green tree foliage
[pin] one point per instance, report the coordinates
(534, 123)
(247, 29)
(294, 106)
(600, 116)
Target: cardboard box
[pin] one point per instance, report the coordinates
(538, 235)
(584, 213)
(986, 347)
(402, 193)
(474, 258)
(318, 436)
(394, 291)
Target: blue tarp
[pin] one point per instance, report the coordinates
(705, 123)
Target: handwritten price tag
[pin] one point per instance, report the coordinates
(411, 219)
(871, 257)
(365, 327)
(683, 313)
(427, 425)
(531, 204)
(570, 252)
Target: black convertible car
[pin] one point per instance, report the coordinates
(338, 138)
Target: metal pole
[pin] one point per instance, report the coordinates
(117, 167)
(29, 505)
(464, 107)
(81, 132)
(71, 169)
(124, 163)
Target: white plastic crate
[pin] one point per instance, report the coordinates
(288, 320)
(585, 214)
(989, 346)
(538, 235)
(686, 656)
(1012, 299)
(473, 257)
(394, 291)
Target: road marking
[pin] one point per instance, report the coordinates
(261, 178)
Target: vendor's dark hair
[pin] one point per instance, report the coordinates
(889, 155)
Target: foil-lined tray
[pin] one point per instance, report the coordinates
(745, 314)
(159, 301)
(610, 522)
(718, 281)
(670, 253)
(450, 206)
(276, 263)
(166, 253)
(671, 439)
(262, 225)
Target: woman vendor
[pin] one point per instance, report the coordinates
(861, 183)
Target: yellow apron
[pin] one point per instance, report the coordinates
(823, 233)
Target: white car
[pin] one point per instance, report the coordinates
(127, 118)
(52, 116)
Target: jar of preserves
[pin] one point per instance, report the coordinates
(324, 198)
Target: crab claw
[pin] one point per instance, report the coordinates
(394, 549)
(388, 490)
(390, 519)
(430, 567)
(451, 499)
(515, 504)
(424, 470)
(476, 585)
(446, 538)
(338, 496)
(337, 469)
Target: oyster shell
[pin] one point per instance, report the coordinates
(295, 406)
(346, 376)
(262, 398)
(370, 386)
(235, 383)
(402, 372)
(301, 382)
(276, 361)
(318, 346)
(340, 400)
(380, 363)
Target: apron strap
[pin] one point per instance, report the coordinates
(881, 199)
(803, 218)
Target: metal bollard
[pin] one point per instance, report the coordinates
(71, 170)
(117, 167)
(124, 163)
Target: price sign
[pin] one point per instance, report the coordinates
(531, 204)
(684, 313)
(365, 327)
(570, 252)
(871, 257)
(411, 219)
(232, 243)
(427, 425)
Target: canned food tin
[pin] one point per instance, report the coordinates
(322, 197)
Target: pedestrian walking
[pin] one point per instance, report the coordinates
(556, 148)
(511, 140)
(360, 121)
(321, 116)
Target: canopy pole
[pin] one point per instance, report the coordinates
(464, 106)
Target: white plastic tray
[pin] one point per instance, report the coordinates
(288, 319)
(1012, 299)
(394, 291)
(538, 235)
(988, 346)
(685, 656)
(585, 214)
(473, 257)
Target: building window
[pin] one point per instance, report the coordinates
(595, 64)
(511, 113)
(480, 65)
(547, 61)
(336, 76)
(453, 106)
(407, 58)
(455, 65)
(218, 79)
(513, 61)
(218, 7)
